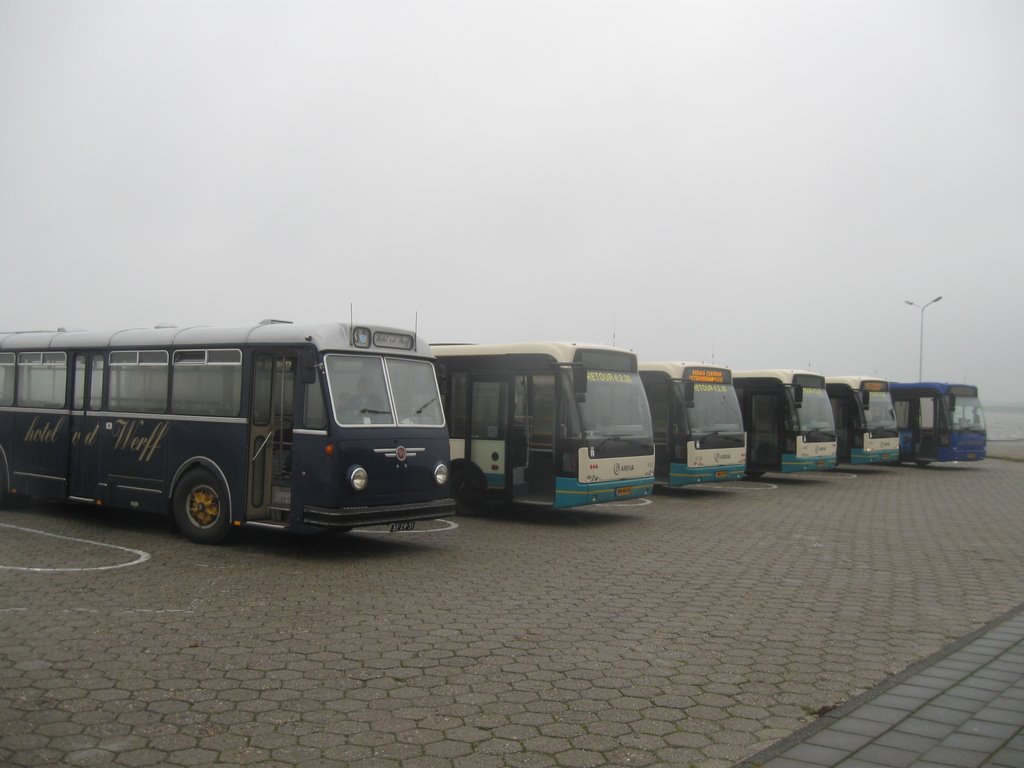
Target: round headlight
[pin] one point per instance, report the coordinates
(440, 474)
(358, 478)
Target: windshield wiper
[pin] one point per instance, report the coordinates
(420, 409)
(372, 410)
(821, 432)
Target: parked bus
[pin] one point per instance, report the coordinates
(289, 427)
(698, 426)
(550, 423)
(939, 422)
(788, 420)
(866, 431)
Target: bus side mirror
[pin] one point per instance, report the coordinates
(865, 398)
(307, 368)
(952, 402)
(579, 383)
(798, 395)
(688, 396)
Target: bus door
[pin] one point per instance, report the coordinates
(84, 456)
(927, 441)
(844, 415)
(499, 431)
(270, 436)
(765, 429)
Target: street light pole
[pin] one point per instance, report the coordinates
(920, 352)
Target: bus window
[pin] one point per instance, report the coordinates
(138, 381)
(43, 379)
(489, 410)
(359, 391)
(542, 410)
(314, 411)
(927, 417)
(96, 385)
(415, 392)
(207, 382)
(457, 399)
(7, 378)
(78, 401)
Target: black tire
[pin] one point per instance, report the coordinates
(752, 475)
(201, 509)
(469, 488)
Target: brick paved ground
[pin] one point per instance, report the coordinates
(695, 630)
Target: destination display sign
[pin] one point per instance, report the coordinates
(875, 386)
(963, 390)
(393, 340)
(617, 378)
(708, 375)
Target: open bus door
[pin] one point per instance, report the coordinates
(270, 437)
(498, 437)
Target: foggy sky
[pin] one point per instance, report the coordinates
(758, 184)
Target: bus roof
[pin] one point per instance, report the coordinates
(858, 382)
(324, 336)
(558, 351)
(675, 369)
(785, 375)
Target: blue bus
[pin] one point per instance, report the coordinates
(788, 420)
(549, 423)
(698, 425)
(300, 428)
(939, 422)
(866, 431)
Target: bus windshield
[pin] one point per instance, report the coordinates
(615, 406)
(880, 413)
(715, 410)
(360, 393)
(968, 415)
(815, 412)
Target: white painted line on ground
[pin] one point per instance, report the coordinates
(140, 556)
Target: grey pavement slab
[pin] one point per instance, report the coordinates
(698, 629)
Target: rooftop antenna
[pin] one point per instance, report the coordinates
(351, 317)
(613, 329)
(416, 327)
(712, 350)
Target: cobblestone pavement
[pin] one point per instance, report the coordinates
(695, 630)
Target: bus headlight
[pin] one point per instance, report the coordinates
(357, 477)
(440, 474)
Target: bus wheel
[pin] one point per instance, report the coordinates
(200, 511)
(469, 488)
(748, 475)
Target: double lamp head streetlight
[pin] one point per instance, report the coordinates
(920, 353)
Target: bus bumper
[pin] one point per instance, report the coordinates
(349, 517)
(860, 456)
(791, 463)
(680, 474)
(572, 493)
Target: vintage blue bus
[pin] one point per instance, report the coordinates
(939, 422)
(788, 420)
(866, 431)
(282, 426)
(550, 423)
(698, 425)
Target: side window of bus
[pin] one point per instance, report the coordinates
(658, 401)
(490, 410)
(96, 384)
(262, 389)
(7, 361)
(542, 407)
(138, 381)
(81, 366)
(314, 411)
(457, 399)
(902, 414)
(42, 379)
(927, 413)
(207, 382)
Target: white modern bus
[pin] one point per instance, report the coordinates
(866, 430)
(698, 425)
(554, 423)
(788, 419)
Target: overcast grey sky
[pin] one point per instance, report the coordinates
(757, 183)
